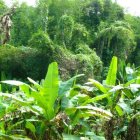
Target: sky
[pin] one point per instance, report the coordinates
(131, 6)
(29, 2)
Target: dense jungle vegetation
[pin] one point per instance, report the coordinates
(90, 52)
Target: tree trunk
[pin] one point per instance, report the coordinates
(132, 131)
(109, 128)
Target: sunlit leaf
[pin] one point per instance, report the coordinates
(96, 109)
(64, 87)
(116, 88)
(70, 137)
(119, 110)
(126, 108)
(129, 70)
(13, 82)
(137, 99)
(97, 98)
(30, 126)
(111, 76)
(98, 85)
(134, 87)
(34, 82)
(50, 89)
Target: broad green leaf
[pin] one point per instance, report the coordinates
(79, 99)
(17, 99)
(23, 86)
(134, 87)
(50, 88)
(13, 82)
(97, 110)
(93, 136)
(41, 102)
(30, 126)
(64, 87)
(119, 110)
(74, 91)
(97, 98)
(97, 138)
(70, 137)
(127, 92)
(70, 110)
(35, 83)
(2, 127)
(0, 88)
(137, 99)
(130, 82)
(116, 88)
(65, 103)
(25, 89)
(2, 109)
(138, 80)
(98, 85)
(13, 137)
(111, 76)
(137, 115)
(93, 113)
(126, 108)
(74, 101)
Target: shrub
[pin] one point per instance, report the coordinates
(23, 62)
(71, 64)
(40, 40)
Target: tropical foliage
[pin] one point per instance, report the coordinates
(92, 87)
(52, 109)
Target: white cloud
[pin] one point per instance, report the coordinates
(131, 6)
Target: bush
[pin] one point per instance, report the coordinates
(41, 41)
(72, 64)
(23, 62)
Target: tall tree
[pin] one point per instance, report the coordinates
(117, 39)
(23, 25)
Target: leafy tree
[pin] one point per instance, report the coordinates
(92, 13)
(3, 7)
(134, 22)
(41, 41)
(118, 39)
(41, 13)
(112, 11)
(65, 29)
(56, 9)
(80, 35)
(22, 25)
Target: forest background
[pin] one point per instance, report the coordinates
(71, 33)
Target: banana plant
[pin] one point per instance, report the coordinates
(51, 103)
(43, 100)
(54, 109)
(77, 106)
(44, 95)
(121, 99)
(38, 98)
